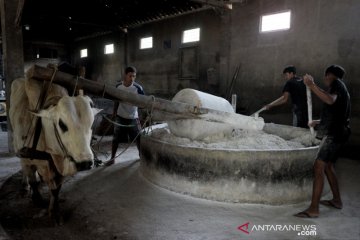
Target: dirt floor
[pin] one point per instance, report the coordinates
(117, 202)
(21, 219)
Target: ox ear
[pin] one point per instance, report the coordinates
(42, 114)
(96, 110)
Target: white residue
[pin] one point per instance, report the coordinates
(238, 139)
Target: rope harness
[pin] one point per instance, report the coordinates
(148, 120)
(116, 123)
(61, 144)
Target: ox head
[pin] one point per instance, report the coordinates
(67, 129)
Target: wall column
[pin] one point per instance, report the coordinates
(12, 45)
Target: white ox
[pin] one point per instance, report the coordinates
(65, 135)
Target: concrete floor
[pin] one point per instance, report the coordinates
(3, 144)
(118, 203)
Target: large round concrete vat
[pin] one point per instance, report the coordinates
(232, 175)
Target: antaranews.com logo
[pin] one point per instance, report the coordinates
(300, 229)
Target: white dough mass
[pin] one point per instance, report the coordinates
(237, 139)
(222, 121)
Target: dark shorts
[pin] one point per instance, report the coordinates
(329, 150)
(128, 132)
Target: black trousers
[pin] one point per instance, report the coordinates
(300, 119)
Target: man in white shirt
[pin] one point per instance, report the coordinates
(126, 115)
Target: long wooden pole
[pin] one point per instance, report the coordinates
(176, 110)
(163, 109)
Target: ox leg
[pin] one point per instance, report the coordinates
(24, 183)
(36, 196)
(30, 173)
(54, 211)
(26, 176)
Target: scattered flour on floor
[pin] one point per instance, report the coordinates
(239, 139)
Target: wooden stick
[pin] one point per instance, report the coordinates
(256, 114)
(309, 105)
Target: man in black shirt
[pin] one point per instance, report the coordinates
(296, 89)
(333, 129)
